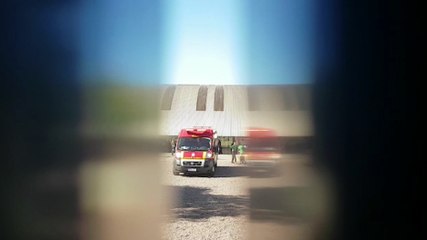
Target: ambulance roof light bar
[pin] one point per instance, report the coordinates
(201, 130)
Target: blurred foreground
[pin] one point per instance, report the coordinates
(80, 155)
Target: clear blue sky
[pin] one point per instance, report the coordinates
(197, 41)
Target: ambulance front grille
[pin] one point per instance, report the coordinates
(192, 163)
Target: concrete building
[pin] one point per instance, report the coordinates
(231, 109)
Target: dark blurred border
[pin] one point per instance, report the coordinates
(365, 117)
(41, 101)
(365, 114)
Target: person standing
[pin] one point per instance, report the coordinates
(173, 145)
(233, 148)
(241, 149)
(219, 147)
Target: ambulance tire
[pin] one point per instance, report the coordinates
(175, 173)
(212, 172)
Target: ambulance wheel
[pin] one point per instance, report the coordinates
(213, 170)
(175, 173)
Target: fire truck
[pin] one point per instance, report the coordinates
(196, 152)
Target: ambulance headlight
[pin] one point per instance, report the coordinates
(178, 158)
(209, 155)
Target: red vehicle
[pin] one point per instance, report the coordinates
(196, 152)
(263, 149)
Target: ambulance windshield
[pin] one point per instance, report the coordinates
(194, 144)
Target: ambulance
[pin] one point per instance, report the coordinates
(196, 152)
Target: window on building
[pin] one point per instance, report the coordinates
(219, 99)
(279, 98)
(253, 99)
(201, 98)
(168, 98)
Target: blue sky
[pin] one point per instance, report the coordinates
(121, 41)
(203, 41)
(280, 35)
(197, 41)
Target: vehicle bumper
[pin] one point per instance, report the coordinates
(206, 169)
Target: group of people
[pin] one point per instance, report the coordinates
(237, 148)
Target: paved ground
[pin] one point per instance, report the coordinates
(232, 205)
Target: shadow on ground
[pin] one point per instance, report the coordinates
(231, 171)
(245, 171)
(240, 171)
(282, 204)
(194, 203)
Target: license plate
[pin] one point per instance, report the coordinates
(192, 169)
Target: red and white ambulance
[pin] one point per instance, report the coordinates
(196, 152)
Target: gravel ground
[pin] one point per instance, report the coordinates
(207, 208)
(218, 207)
